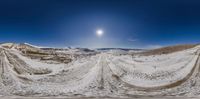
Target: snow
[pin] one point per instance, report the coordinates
(37, 64)
(34, 45)
(104, 74)
(179, 64)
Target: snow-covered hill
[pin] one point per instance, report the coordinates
(32, 71)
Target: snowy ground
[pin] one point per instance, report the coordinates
(99, 98)
(102, 75)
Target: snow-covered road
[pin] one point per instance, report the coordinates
(101, 75)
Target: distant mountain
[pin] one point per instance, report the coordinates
(124, 49)
(8, 45)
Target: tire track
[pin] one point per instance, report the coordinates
(194, 71)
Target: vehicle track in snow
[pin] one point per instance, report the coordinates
(97, 75)
(193, 71)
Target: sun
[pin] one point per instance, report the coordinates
(99, 32)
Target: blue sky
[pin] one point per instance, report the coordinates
(126, 23)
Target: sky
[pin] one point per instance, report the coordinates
(125, 23)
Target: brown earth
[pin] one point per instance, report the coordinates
(168, 49)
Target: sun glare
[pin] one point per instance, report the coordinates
(99, 32)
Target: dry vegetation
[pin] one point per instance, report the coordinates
(169, 49)
(49, 57)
